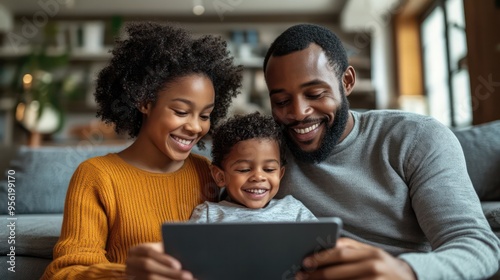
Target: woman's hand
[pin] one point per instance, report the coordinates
(354, 260)
(148, 261)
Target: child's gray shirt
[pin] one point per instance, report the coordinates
(287, 209)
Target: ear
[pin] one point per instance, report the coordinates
(145, 108)
(282, 172)
(218, 176)
(349, 79)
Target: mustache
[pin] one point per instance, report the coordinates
(305, 122)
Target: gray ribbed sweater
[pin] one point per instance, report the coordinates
(399, 182)
(287, 209)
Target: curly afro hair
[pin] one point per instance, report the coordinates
(299, 37)
(244, 127)
(152, 56)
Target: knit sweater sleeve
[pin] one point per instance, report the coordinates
(80, 252)
(447, 209)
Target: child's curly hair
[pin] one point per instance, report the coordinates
(152, 56)
(244, 127)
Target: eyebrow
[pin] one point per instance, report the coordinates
(314, 82)
(246, 160)
(189, 102)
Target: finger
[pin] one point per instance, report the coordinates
(150, 267)
(348, 242)
(334, 255)
(149, 276)
(358, 270)
(149, 261)
(341, 255)
(153, 271)
(155, 251)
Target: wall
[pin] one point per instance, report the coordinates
(373, 19)
(483, 41)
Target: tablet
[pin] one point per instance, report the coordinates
(253, 251)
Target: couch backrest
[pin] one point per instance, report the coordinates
(481, 146)
(42, 176)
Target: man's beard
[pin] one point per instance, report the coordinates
(331, 138)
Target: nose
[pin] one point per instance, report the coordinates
(258, 176)
(193, 125)
(299, 110)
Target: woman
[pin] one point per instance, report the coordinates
(164, 88)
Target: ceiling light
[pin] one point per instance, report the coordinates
(198, 8)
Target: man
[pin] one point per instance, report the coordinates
(397, 180)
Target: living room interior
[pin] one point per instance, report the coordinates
(430, 57)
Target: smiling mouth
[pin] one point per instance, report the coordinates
(306, 130)
(185, 142)
(256, 191)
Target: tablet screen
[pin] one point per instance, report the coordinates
(241, 251)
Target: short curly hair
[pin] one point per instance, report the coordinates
(152, 56)
(300, 36)
(244, 127)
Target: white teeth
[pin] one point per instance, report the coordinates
(256, 191)
(307, 129)
(182, 141)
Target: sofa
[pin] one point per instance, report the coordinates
(42, 176)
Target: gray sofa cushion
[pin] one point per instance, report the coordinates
(491, 210)
(481, 146)
(26, 268)
(42, 176)
(35, 234)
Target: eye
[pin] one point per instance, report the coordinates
(180, 113)
(281, 103)
(243, 170)
(315, 95)
(205, 117)
(269, 170)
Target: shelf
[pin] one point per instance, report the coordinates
(76, 54)
(250, 62)
(8, 52)
(104, 54)
(80, 54)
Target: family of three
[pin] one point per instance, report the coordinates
(397, 180)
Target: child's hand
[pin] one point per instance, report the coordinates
(148, 261)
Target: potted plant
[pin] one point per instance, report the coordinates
(40, 80)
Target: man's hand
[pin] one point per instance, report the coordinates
(148, 261)
(354, 260)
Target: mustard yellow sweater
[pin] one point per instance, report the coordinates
(112, 206)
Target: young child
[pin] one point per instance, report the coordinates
(248, 160)
(164, 88)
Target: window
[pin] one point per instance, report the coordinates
(444, 49)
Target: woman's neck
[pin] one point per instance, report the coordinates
(144, 155)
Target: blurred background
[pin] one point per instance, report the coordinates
(433, 57)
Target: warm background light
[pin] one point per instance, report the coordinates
(27, 79)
